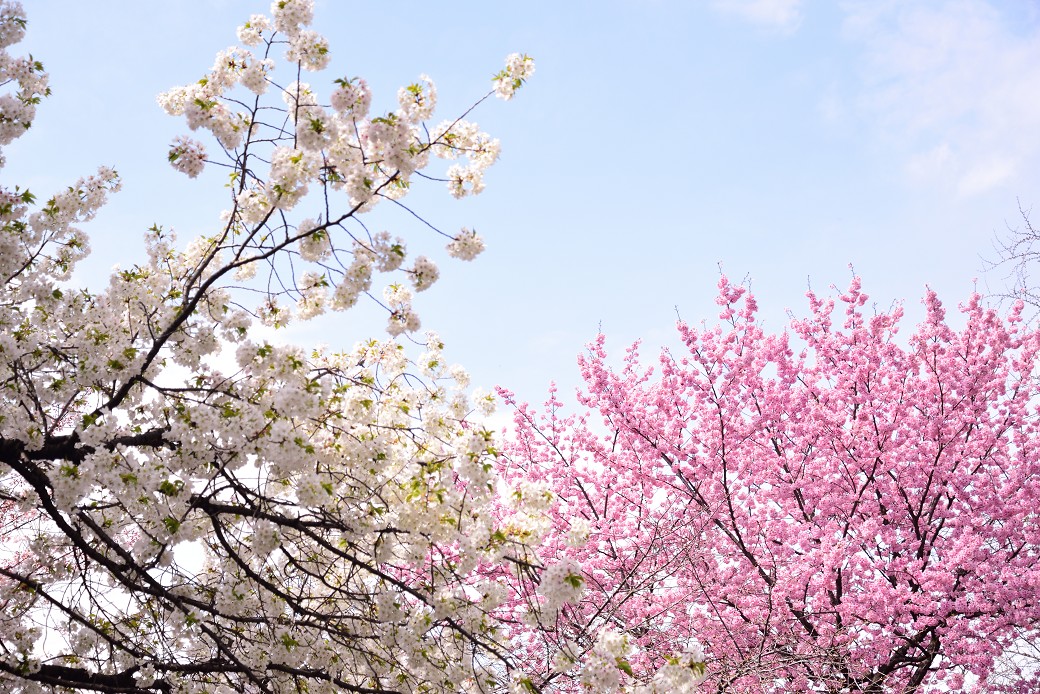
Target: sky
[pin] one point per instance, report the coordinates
(785, 141)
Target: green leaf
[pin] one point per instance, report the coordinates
(172, 524)
(574, 580)
(171, 488)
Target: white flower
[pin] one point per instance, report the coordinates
(145, 677)
(397, 295)
(403, 320)
(297, 97)
(390, 252)
(611, 644)
(356, 280)
(265, 538)
(254, 75)
(460, 376)
(289, 15)
(352, 96)
(601, 672)
(272, 315)
(187, 156)
(316, 245)
(465, 180)
(466, 246)
(292, 171)
(578, 533)
(418, 100)
(246, 272)
(680, 675)
(11, 30)
(518, 69)
(313, 288)
(561, 583)
(314, 129)
(253, 206)
(310, 49)
(250, 32)
(485, 402)
(424, 273)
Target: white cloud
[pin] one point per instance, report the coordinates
(927, 165)
(985, 175)
(955, 85)
(785, 15)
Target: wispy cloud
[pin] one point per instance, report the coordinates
(955, 83)
(784, 15)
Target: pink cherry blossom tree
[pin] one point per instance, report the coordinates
(835, 507)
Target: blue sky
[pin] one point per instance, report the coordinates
(784, 139)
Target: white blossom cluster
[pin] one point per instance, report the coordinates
(464, 139)
(418, 100)
(187, 156)
(352, 97)
(291, 15)
(252, 32)
(518, 70)
(315, 244)
(17, 108)
(602, 671)
(604, 668)
(309, 49)
(561, 584)
(329, 143)
(681, 674)
(424, 273)
(466, 246)
(402, 317)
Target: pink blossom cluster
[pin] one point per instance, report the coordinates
(829, 508)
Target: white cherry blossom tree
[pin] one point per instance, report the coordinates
(301, 520)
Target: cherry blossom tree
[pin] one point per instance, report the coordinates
(188, 507)
(829, 508)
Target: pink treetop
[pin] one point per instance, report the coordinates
(825, 509)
